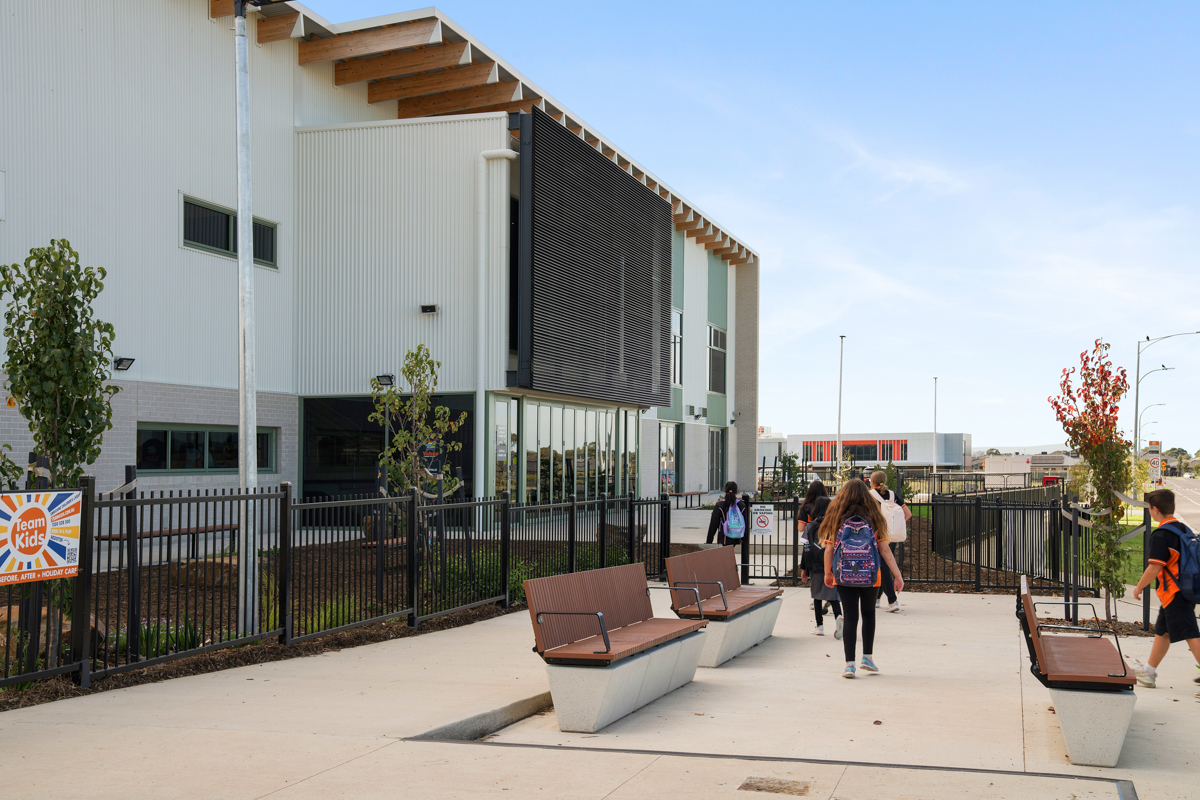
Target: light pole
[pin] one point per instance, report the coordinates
(935, 441)
(837, 464)
(1137, 445)
(1138, 382)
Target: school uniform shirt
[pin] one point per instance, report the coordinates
(1164, 550)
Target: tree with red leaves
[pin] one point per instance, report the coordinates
(1088, 414)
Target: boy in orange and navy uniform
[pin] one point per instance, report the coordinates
(1177, 616)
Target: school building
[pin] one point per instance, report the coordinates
(946, 450)
(411, 186)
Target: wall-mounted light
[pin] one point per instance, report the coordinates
(122, 364)
(429, 309)
(385, 380)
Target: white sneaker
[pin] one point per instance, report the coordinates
(812, 605)
(841, 623)
(878, 601)
(894, 607)
(1147, 675)
(819, 630)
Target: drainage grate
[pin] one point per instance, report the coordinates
(775, 786)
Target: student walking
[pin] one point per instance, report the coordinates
(851, 533)
(879, 486)
(812, 563)
(1177, 615)
(719, 520)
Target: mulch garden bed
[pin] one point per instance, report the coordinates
(61, 687)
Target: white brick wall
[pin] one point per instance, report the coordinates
(140, 401)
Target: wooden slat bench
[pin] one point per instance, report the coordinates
(741, 616)
(1090, 683)
(606, 653)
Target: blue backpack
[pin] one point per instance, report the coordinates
(855, 554)
(1188, 579)
(735, 523)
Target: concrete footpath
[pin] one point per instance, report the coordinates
(958, 715)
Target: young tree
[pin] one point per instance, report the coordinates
(58, 357)
(414, 424)
(1088, 414)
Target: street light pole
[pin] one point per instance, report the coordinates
(1137, 445)
(935, 441)
(1137, 386)
(837, 465)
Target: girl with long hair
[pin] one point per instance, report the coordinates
(716, 523)
(854, 501)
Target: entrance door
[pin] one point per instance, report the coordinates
(716, 459)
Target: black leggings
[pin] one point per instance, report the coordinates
(837, 610)
(888, 584)
(852, 599)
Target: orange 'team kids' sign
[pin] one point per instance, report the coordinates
(39, 536)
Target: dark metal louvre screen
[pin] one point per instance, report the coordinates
(599, 273)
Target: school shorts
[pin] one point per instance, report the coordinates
(1179, 620)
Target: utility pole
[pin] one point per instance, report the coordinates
(837, 464)
(1137, 384)
(935, 441)
(247, 402)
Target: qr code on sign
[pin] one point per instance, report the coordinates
(72, 555)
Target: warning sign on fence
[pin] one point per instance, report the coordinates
(762, 520)
(39, 536)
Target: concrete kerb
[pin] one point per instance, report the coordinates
(480, 725)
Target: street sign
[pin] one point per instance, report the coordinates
(1153, 447)
(762, 520)
(39, 536)
(1155, 469)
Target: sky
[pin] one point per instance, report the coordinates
(970, 191)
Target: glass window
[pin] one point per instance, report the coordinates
(152, 449)
(543, 434)
(716, 459)
(568, 462)
(556, 451)
(223, 450)
(580, 455)
(593, 456)
(531, 455)
(213, 228)
(201, 449)
(716, 360)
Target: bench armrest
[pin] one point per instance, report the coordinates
(679, 589)
(599, 615)
(718, 584)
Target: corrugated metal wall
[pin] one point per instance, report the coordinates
(386, 222)
(109, 112)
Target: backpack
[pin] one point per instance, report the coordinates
(813, 558)
(734, 526)
(897, 529)
(1188, 579)
(855, 554)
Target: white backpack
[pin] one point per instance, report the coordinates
(897, 529)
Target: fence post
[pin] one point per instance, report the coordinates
(284, 593)
(505, 545)
(81, 593)
(978, 542)
(133, 632)
(664, 529)
(601, 531)
(571, 528)
(1146, 563)
(746, 544)
(900, 497)
(795, 541)
(380, 525)
(1073, 609)
(411, 546)
(632, 525)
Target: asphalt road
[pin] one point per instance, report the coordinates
(1187, 499)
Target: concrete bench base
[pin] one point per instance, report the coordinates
(587, 699)
(727, 639)
(1094, 724)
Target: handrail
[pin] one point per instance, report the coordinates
(1093, 633)
(719, 585)
(680, 589)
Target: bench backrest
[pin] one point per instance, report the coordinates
(713, 564)
(1031, 623)
(617, 592)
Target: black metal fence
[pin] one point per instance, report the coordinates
(166, 575)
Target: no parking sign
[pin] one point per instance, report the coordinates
(762, 520)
